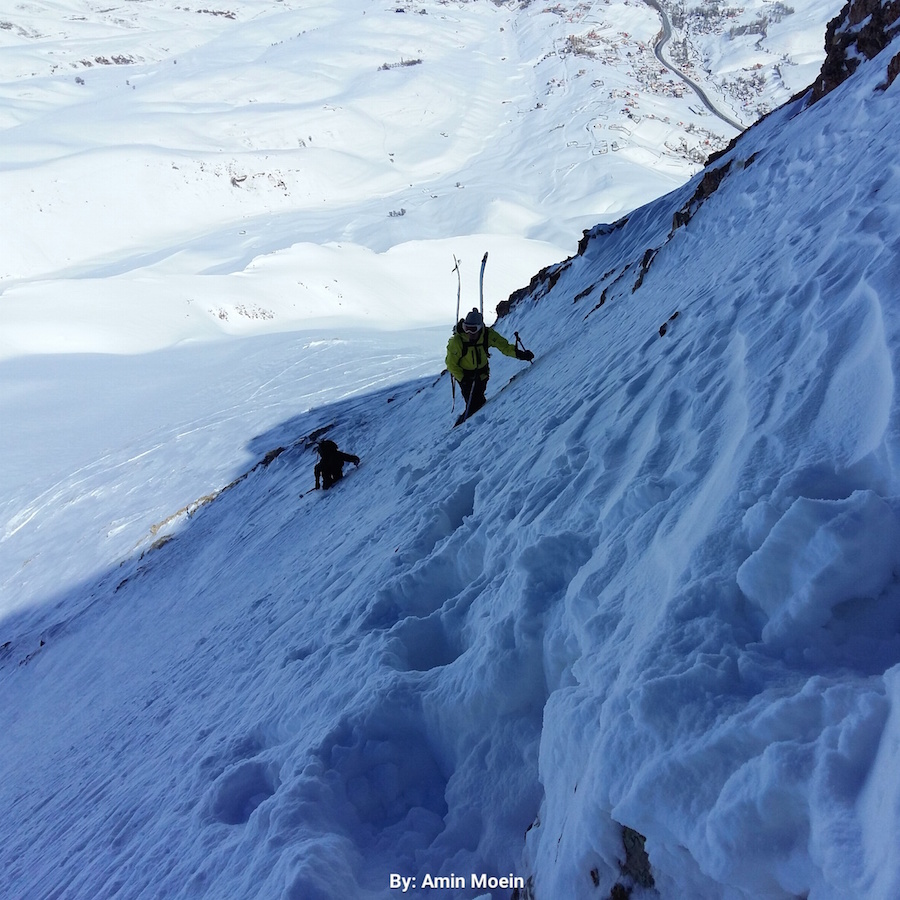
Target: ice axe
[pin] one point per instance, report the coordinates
(521, 346)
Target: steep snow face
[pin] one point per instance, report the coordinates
(652, 584)
(741, 600)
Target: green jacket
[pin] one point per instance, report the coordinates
(465, 356)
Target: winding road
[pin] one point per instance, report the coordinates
(657, 50)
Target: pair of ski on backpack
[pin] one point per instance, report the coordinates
(468, 351)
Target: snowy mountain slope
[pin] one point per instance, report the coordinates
(652, 584)
(176, 175)
(787, 383)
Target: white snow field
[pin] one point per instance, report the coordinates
(652, 585)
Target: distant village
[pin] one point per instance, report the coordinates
(743, 96)
(741, 93)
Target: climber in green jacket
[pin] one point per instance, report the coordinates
(468, 355)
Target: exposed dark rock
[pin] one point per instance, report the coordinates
(598, 231)
(708, 185)
(893, 70)
(271, 456)
(861, 30)
(648, 258)
(539, 286)
(637, 863)
(665, 325)
(598, 305)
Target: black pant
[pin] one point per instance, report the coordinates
(330, 472)
(473, 387)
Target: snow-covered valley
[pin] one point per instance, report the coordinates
(634, 627)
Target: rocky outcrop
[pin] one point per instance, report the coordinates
(893, 70)
(708, 185)
(637, 863)
(861, 30)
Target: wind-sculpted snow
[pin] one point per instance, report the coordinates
(652, 585)
(818, 556)
(759, 616)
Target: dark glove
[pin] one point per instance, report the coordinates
(354, 460)
(525, 355)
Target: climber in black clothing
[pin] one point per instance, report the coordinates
(330, 467)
